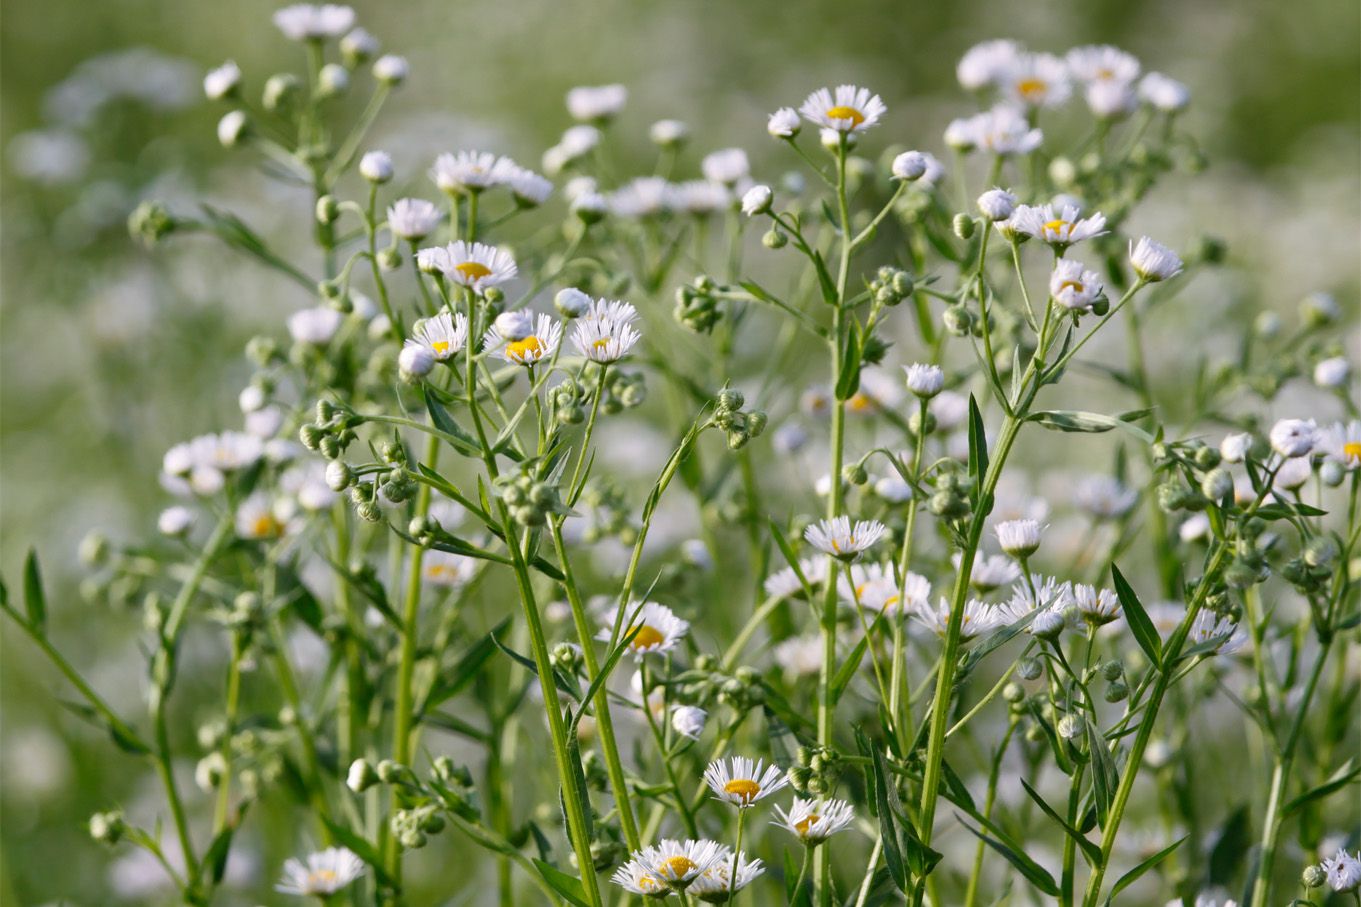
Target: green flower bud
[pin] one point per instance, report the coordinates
(327, 209)
(150, 222)
(854, 474)
(774, 239)
(280, 90)
(1013, 692)
(963, 225)
(107, 827)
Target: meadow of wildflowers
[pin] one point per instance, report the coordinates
(811, 523)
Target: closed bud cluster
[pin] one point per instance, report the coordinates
(891, 286)
(107, 827)
(695, 308)
(530, 500)
(150, 222)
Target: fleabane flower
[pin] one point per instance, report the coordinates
(258, 520)
(444, 335)
(814, 821)
(840, 539)
(1019, 538)
(924, 381)
(1294, 437)
(978, 618)
(1061, 228)
(668, 133)
(222, 82)
(529, 189)
(444, 568)
(742, 781)
(636, 878)
(993, 571)
(592, 103)
(1104, 497)
(1003, 130)
(412, 219)
(688, 721)
(1342, 871)
(700, 197)
(604, 340)
(314, 326)
(313, 22)
(1163, 93)
(997, 204)
(718, 885)
(783, 123)
(644, 196)
(678, 863)
(728, 166)
(658, 629)
(1095, 606)
(1209, 627)
(467, 171)
(1235, 448)
(1073, 286)
(874, 586)
(844, 109)
(536, 345)
(1036, 80)
(987, 63)
(1341, 443)
(785, 582)
(1108, 100)
(1332, 372)
(477, 266)
(324, 873)
(1102, 63)
(1153, 261)
(757, 200)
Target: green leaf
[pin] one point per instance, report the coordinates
(579, 772)
(463, 442)
(1130, 877)
(1231, 846)
(1145, 634)
(35, 600)
(465, 670)
(1344, 776)
(362, 849)
(846, 672)
(1105, 779)
(848, 382)
(1027, 867)
(978, 445)
(215, 858)
(1082, 421)
(1090, 852)
(893, 857)
(601, 676)
(568, 886)
(790, 557)
(567, 684)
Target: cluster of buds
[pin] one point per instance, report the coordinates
(411, 826)
(697, 305)
(891, 286)
(567, 403)
(108, 827)
(740, 426)
(1311, 570)
(815, 771)
(331, 433)
(951, 496)
(743, 691)
(529, 498)
(150, 222)
(624, 390)
(610, 510)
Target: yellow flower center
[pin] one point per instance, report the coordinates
(530, 348)
(1032, 89)
(745, 789)
(265, 525)
(323, 875)
(846, 113)
(1056, 226)
(472, 269)
(648, 883)
(1105, 74)
(440, 346)
(806, 823)
(1352, 448)
(1074, 285)
(647, 637)
(861, 402)
(679, 865)
(601, 343)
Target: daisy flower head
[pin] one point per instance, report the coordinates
(444, 568)
(175, 521)
(717, 885)
(1294, 437)
(222, 82)
(1332, 372)
(1235, 447)
(1037, 80)
(1109, 100)
(727, 166)
(987, 63)
(1343, 871)
(799, 656)
(467, 171)
(477, 266)
(444, 335)
(609, 310)
(678, 863)
(1019, 538)
(1104, 497)
(784, 123)
(604, 340)
(1211, 627)
(1074, 286)
(529, 189)
(324, 873)
(668, 133)
(993, 572)
(1095, 606)
(688, 721)
(997, 204)
(814, 821)
(655, 629)
(743, 782)
(1037, 593)
(644, 196)
(1003, 130)
(924, 380)
(1293, 473)
(1163, 93)
(700, 197)
(1341, 443)
(258, 520)
(596, 103)
(842, 540)
(376, 166)
(314, 22)
(784, 583)
(636, 878)
(314, 326)
(1102, 63)
(1153, 261)
(535, 346)
(413, 219)
(390, 69)
(978, 618)
(1060, 228)
(844, 109)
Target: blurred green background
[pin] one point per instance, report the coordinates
(111, 353)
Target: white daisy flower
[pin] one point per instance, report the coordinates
(1059, 228)
(603, 340)
(529, 188)
(476, 265)
(1109, 100)
(874, 586)
(310, 22)
(668, 133)
(678, 863)
(645, 196)
(978, 618)
(413, 219)
(231, 128)
(1235, 448)
(257, 520)
(1343, 871)
(444, 335)
(390, 69)
(1209, 626)
(222, 82)
(784, 123)
(175, 521)
(315, 326)
(1073, 286)
(700, 197)
(727, 166)
(785, 582)
(1163, 93)
(716, 886)
(1293, 473)
(757, 200)
(1039, 593)
(466, 171)
(1095, 606)
(987, 63)
(579, 141)
(324, 874)
(1102, 63)
(636, 878)
(924, 381)
(1104, 497)
(910, 166)
(845, 109)
(1036, 80)
(840, 539)
(742, 782)
(444, 568)
(376, 167)
(814, 821)
(799, 656)
(1293, 437)
(1019, 538)
(1341, 443)
(658, 629)
(1003, 130)
(609, 310)
(688, 721)
(993, 572)
(1153, 261)
(589, 103)
(536, 346)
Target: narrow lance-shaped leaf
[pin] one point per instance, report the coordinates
(1145, 634)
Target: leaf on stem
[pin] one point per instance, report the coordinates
(35, 599)
(1145, 634)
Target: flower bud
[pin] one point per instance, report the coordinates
(389, 259)
(774, 239)
(854, 474)
(757, 200)
(107, 827)
(1013, 692)
(232, 128)
(963, 225)
(391, 70)
(1048, 624)
(333, 80)
(339, 476)
(571, 302)
(327, 209)
(1069, 727)
(376, 167)
(415, 361)
(280, 90)
(1314, 876)
(1029, 668)
(910, 166)
(1217, 484)
(997, 204)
